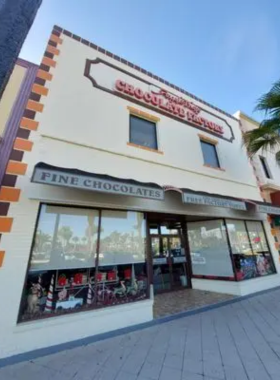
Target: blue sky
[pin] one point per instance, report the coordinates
(226, 52)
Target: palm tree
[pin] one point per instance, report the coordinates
(75, 239)
(65, 233)
(267, 136)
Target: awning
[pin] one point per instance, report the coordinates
(74, 178)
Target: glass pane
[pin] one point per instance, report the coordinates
(238, 237)
(65, 238)
(161, 278)
(153, 231)
(143, 132)
(209, 249)
(168, 231)
(257, 237)
(175, 247)
(122, 238)
(179, 273)
(265, 264)
(210, 154)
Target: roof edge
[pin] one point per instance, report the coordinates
(243, 115)
(135, 67)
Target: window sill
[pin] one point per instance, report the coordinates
(214, 167)
(144, 148)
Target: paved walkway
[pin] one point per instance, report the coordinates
(186, 299)
(239, 341)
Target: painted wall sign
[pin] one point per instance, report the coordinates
(213, 201)
(268, 209)
(117, 81)
(60, 178)
(170, 103)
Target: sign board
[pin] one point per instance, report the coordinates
(177, 105)
(179, 259)
(66, 179)
(213, 201)
(159, 261)
(268, 209)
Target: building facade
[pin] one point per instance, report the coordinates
(267, 172)
(128, 186)
(12, 107)
(16, 17)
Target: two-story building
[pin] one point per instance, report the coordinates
(128, 186)
(267, 172)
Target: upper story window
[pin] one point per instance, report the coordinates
(143, 132)
(210, 154)
(265, 167)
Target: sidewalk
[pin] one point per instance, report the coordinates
(239, 341)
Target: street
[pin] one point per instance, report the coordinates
(238, 341)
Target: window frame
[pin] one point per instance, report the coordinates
(265, 167)
(214, 144)
(154, 122)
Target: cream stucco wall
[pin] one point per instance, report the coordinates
(10, 94)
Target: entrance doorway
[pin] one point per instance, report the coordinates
(170, 269)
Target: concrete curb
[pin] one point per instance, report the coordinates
(31, 355)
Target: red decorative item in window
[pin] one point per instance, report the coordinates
(127, 273)
(78, 278)
(62, 280)
(257, 240)
(112, 276)
(99, 277)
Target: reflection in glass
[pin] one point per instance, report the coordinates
(238, 237)
(257, 237)
(168, 231)
(209, 249)
(65, 238)
(122, 238)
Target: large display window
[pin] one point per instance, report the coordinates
(83, 259)
(250, 249)
(210, 253)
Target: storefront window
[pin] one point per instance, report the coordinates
(69, 273)
(65, 238)
(250, 250)
(209, 249)
(257, 237)
(238, 237)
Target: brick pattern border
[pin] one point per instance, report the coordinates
(135, 67)
(16, 166)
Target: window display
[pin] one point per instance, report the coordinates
(68, 272)
(210, 253)
(250, 250)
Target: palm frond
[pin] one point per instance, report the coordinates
(270, 102)
(264, 138)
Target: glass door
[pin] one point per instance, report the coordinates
(161, 264)
(169, 263)
(178, 262)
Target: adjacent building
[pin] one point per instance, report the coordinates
(267, 172)
(16, 17)
(128, 186)
(12, 107)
